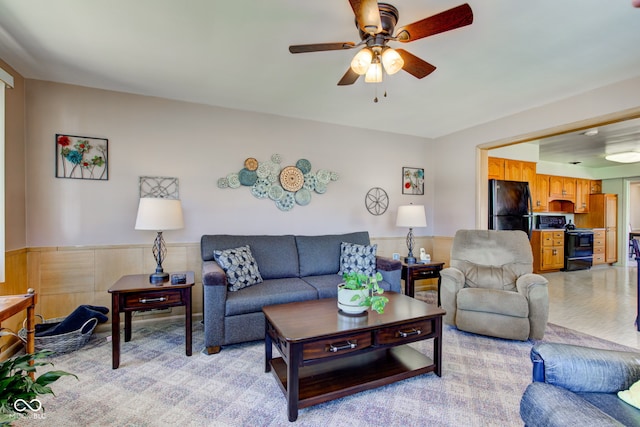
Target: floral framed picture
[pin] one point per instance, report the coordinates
(82, 157)
(413, 181)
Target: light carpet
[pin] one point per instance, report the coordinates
(157, 385)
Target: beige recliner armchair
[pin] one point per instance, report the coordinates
(490, 289)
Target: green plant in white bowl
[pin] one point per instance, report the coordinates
(359, 292)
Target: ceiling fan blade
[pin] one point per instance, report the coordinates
(318, 47)
(451, 19)
(368, 15)
(415, 66)
(349, 78)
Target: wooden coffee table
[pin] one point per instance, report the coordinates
(327, 355)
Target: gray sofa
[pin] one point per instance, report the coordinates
(577, 386)
(294, 268)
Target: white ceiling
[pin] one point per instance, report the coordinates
(516, 55)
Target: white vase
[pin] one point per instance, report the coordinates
(345, 302)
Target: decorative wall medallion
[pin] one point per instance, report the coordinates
(285, 186)
(376, 201)
(291, 178)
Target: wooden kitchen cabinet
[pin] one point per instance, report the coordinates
(562, 188)
(583, 190)
(548, 250)
(596, 186)
(603, 214)
(540, 194)
(518, 170)
(496, 168)
(598, 246)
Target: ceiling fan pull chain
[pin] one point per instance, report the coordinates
(376, 93)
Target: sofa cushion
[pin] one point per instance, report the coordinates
(319, 255)
(240, 267)
(274, 291)
(356, 258)
(326, 285)
(277, 256)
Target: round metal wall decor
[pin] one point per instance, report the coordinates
(376, 201)
(291, 178)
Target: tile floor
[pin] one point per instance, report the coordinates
(601, 302)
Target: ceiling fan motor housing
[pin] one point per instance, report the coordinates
(388, 18)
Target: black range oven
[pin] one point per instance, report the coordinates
(578, 249)
(578, 242)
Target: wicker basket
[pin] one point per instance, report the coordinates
(63, 343)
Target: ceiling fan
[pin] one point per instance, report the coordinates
(376, 24)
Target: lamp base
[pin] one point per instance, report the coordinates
(157, 278)
(410, 260)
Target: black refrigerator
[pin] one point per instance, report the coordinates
(510, 206)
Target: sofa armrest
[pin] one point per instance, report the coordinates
(387, 264)
(535, 288)
(213, 274)
(545, 405)
(391, 271)
(214, 285)
(451, 281)
(584, 369)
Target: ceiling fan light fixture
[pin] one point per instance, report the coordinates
(374, 73)
(362, 61)
(624, 157)
(392, 61)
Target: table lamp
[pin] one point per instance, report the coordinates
(159, 215)
(411, 216)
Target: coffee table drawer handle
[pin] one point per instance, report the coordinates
(413, 331)
(347, 345)
(146, 300)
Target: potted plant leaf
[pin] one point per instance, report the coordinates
(359, 292)
(17, 386)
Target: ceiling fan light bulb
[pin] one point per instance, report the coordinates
(392, 61)
(361, 62)
(374, 73)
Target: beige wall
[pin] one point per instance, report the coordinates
(199, 144)
(457, 197)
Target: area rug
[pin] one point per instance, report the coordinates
(157, 385)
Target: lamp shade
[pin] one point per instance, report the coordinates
(159, 214)
(392, 61)
(411, 216)
(374, 73)
(361, 62)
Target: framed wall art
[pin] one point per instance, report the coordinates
(413, 181)
(82, 157)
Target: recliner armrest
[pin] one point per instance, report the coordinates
(585, 369)
(526, 282)
(387, 264)
(454, 276)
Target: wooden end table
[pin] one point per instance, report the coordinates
(327, 355)
(136, 293)
(419, 271)
(14, 304)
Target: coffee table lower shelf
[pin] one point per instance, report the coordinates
(334, 379)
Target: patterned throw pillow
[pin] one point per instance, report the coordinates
(240, 266)
(357, 258)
